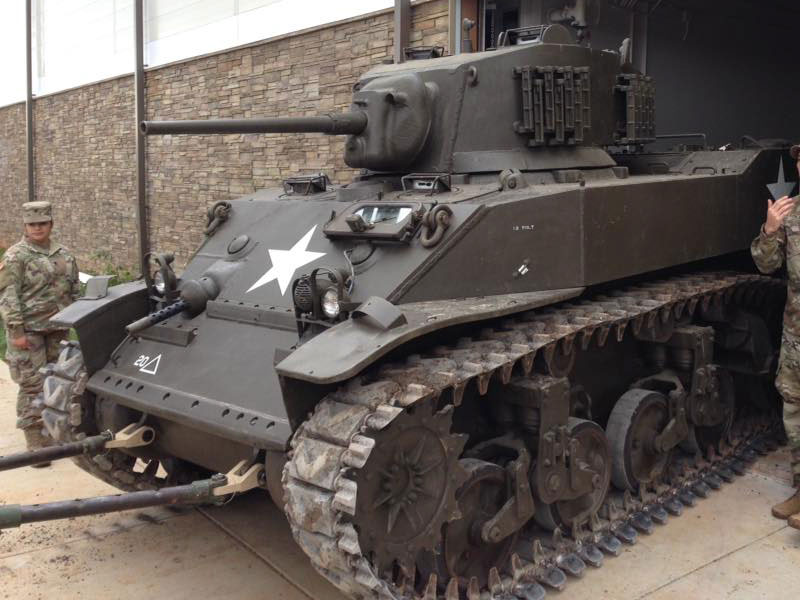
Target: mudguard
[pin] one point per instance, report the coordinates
(100, 322)
(346, 349)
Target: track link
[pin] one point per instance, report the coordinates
(335, 442)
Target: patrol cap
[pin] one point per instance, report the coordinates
(795, 151)
(37, 212)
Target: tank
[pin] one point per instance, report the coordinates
(516, 341)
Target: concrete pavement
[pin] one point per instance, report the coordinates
(727, 547)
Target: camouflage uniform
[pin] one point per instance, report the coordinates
(35, 283)
(769, 253)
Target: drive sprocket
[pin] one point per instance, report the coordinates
(407, 488)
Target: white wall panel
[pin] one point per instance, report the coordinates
(12, 52)
(178, 29)
(79, 41)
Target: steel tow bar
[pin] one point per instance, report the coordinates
(132, 436)
(240, 479)
(90, 445)
(14, 515)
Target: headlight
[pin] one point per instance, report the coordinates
(158, 282)
(330, 303)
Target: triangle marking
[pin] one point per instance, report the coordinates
(151, 366)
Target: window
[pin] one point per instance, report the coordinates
(490, 18)
(499, 16)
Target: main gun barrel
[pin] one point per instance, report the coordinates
(349, 123)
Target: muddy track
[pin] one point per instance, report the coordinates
(329, 449)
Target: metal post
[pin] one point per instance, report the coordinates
(402, 25)
(141, 182)
(454, 25)
(29, 100)
(639, 30)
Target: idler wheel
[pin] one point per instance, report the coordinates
(463, 554)
(637, 418)
(593, 457)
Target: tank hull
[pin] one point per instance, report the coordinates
(506, 251)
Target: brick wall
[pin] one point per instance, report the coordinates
(13, 172)
(85, 156)
(85, 145)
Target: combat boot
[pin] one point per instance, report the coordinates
(789, 507)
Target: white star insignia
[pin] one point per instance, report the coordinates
(782, 187)
(286, 262)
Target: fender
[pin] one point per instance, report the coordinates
(349, 347)
(100, 322)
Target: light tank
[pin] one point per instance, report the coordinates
(516, 341)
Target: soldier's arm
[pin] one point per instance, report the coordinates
(4, 279)
(10, 305)
(769, 250)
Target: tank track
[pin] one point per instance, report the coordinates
(68, 413)
(330, 447)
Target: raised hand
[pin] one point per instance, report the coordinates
(777, 212)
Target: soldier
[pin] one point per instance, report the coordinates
(38, 277)
(779, 241)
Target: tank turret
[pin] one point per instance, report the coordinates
(388, 125)
(525, 106)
